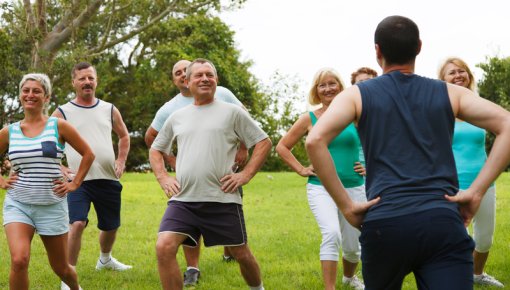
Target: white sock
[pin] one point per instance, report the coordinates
(105, 257)
(189, 268)
(260, 287)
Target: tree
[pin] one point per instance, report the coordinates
(133, 45)
(282, 99)
(144, 83)
(50, 36)
(495, 85)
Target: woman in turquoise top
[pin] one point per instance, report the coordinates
(35, 199)
(469, 151)
(344, 149)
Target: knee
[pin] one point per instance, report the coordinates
(483, 244)
(78, 226)
(62, 270)
(166, 248)
(331, 238)
(241, 255)
(19, 263)
(352, 257)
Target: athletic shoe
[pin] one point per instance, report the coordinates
(353, 282)
(112, 264)
(228, 259)
(191, 277)
(63, 286)
(486, 279)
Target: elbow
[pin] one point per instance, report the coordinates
(311, 142)
(269, 144)
(280, 148)
(154, 156)
(148, 140)
(91, 156)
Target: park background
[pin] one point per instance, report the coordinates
(282, 234)
(266, 52)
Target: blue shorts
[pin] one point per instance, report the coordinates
(221, 224)
(105, 195)
(432, 244)
(47, 220)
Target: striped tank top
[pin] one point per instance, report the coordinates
(37, 162)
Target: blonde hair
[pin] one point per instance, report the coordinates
(313, 97)
(460, 63)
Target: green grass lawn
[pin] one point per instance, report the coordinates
(282, 234)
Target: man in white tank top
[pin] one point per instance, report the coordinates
(95, 120)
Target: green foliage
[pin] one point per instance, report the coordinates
(134, 72)
(495, 85)
(282, 100)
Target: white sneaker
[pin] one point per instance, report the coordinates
(486, 279)
(353, 282)
(112, 264)
(63, 286)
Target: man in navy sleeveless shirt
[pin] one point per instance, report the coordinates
(415, 217)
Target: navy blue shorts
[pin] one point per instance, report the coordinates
(219, 223)
(432, 244)
(105, 195)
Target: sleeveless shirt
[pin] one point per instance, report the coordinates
(37, 163)
(344, 150)
(94, 124)
(406, 128)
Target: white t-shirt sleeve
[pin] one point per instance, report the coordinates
(160, 118)
(247, 129)
(163, 141)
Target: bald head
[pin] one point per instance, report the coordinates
(179, 75)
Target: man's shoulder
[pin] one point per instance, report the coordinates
(223, 93)
(177, 102)
(66, 105)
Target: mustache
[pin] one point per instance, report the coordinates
(87, 87)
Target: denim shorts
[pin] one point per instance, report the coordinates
(48, 220)
(105, 194)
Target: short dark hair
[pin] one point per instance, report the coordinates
(398, 38)
(80, 66)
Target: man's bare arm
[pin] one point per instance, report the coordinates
(119, 127)
(482, 113)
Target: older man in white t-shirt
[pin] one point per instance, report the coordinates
(204, 195)
(181, 100)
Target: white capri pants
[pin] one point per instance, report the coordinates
(335, 229)
(484, 222)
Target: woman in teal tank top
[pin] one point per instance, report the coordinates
(336, 231)
(35, 200)
(469, 152)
